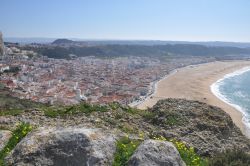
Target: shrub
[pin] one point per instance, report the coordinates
(148, 115)
(234, 157)
(114, 105)
(188, 155)
(125, 148)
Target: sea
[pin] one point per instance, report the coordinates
(234, 89)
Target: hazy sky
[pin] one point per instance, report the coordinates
(193, 20)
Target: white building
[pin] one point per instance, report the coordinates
(79, 95)
(4, 67)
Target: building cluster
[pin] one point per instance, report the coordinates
(124, 80)
(59, 81)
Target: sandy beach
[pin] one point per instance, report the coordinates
(193, 83)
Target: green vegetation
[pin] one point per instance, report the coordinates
(234, 157)
(86, 108)
(128, 109)
(13, 112)
(114, 105)
(126, 119)
(147, 115)
(188, 154)
(172, 120)
(131, 110)
(169, 118)
(125, 148)
(128, 128)
(20, 132)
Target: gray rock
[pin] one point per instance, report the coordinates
(4, 137)
(156, 153)
(65, 146)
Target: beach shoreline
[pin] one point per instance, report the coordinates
(152, 90)
(153, 87)
(194, 83)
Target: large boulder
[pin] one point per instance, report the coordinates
(4, 138)
(156, 153)
(65, 146)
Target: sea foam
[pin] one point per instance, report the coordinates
(215, 88)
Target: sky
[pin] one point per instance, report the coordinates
(181, 20)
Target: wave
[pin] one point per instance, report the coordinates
(216, 91)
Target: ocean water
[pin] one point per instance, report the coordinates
(234, 89)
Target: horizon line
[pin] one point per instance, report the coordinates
(122, 39)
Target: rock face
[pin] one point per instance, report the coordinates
(156, 153)
(1, 44)
(206, 128)
(4, 137)
(66, 146)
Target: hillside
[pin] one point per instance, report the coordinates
(62, 41)
(196, 129)
(58, 51)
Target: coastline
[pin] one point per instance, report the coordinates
(215, 90)
(153, 87)
(194, 83)
(152, 90)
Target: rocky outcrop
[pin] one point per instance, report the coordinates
(65, 146)
(206, 128)
(4, 137)
(156, 153)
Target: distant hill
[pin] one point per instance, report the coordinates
(151, 43)
(159, 42)
(67, 42)
(62, 41)
(126, 42)
(142, 50)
